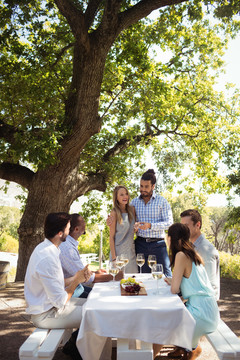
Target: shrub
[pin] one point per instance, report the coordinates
(8, 243)
(230, 265)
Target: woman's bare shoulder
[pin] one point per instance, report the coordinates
(113, 213)
(181, 256)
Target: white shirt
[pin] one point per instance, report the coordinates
(44, 280)
(70, 258)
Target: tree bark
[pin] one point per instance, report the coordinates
(52, 190)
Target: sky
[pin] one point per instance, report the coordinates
(231, 58)
(232, 75)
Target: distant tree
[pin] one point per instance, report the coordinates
(226, 236)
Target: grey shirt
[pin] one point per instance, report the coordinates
(211, 260)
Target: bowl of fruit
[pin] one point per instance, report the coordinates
(130, 285)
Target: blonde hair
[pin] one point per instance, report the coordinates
(116, 206)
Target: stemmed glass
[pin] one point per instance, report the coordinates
(140, 261)
(113, 270)
(119, 262)
(125, 260)
(157, 273)
(152, 260)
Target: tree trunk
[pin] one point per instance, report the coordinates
(52, 190)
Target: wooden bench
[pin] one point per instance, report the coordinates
(128, 349)
(43, 343)
(225, 342)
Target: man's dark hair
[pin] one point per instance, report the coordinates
(54, 223)
(149, 175)
(194, 214)
(76, 220)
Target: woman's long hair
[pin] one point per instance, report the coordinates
(116, 206)
(180, 235)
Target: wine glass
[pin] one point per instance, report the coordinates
(157, 273)
(113, 270)
(152, 259)
(140, 261)
(125, 260)
(119, 262)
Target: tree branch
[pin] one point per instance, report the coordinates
(60, 54)
(85, 183)
(124, 143)
(16, 173)
(142, 9)
(76, 20)
(91, 11)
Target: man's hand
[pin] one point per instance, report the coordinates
(83, 275)
(142, 226)
(101, 271)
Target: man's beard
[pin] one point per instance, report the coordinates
(146, 194)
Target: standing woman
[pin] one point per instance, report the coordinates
(190, 277)
(122, 228)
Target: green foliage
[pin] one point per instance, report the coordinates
(230, 265)
(171, 104)
(34, 81)
(145, 100)
(86, 243)
(9, 220)
(9, 223)
(184, 201)
(8, 243)
(234, 218)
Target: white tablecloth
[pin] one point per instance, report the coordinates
(161, 319)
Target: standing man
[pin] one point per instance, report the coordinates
(153, 216)
(71, 260)
(47, 294)
(207, 250)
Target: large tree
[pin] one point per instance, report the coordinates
(59, 58)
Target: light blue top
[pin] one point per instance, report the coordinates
(201, 301)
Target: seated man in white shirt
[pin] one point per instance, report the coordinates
(48, 295)
(71, 260)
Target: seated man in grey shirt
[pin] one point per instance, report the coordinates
(207, 250)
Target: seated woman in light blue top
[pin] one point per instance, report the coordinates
(122, 229)
(190, 277)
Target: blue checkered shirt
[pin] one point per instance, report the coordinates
(70, 258)
(157, 212)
